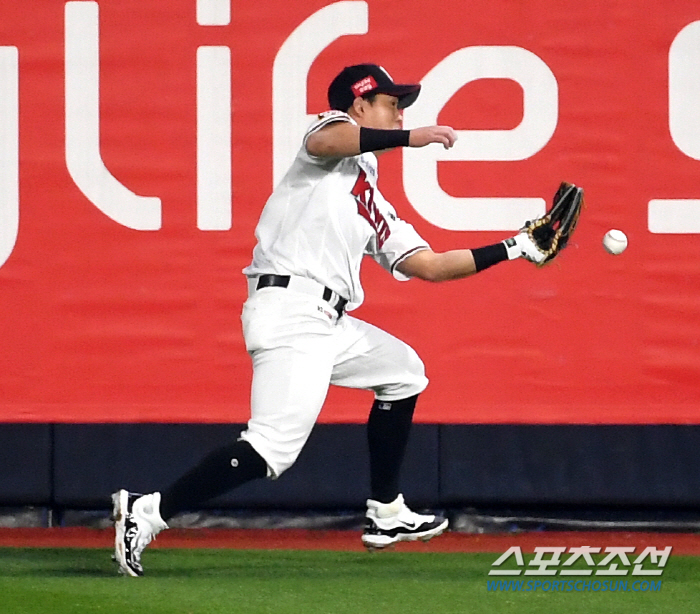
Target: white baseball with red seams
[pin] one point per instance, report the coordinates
(615, 242)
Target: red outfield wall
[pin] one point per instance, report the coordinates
(140, 139)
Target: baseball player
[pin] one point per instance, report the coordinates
(326, 214)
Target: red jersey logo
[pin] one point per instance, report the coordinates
(364, 196)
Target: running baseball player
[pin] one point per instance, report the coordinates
(304, 280)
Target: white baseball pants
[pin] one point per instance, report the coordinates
(299, 346)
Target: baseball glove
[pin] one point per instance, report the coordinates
(551, 232)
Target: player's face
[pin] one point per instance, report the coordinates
(383, 113)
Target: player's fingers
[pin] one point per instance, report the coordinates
(451, 137)
(446, 136)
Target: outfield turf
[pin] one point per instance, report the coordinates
(81, 581)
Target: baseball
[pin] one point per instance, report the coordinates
(615, 242)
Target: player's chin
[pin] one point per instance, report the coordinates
(392, 125)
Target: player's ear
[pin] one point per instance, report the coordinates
(358, 107)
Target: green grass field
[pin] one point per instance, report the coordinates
(82, 581)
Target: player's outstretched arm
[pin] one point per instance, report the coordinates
(343, 139)
(458, 263)
(433, 266)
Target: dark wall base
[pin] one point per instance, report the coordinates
(26, 476)
(332, 471)
(77, 466)
(629, 465)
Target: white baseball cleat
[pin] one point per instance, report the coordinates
(137, 521)
(389, 523)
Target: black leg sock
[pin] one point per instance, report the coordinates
(220, 471)
(388, 428)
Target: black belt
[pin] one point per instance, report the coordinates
(282, 281)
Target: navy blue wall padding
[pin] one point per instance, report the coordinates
(333, 471)
(78, 465)
(25, 464)
(633, 465)
(93, 460)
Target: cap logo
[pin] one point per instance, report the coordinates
(363, 86)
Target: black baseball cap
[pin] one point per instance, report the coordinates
(365, 79)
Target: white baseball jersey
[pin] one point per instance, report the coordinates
(325, 215)
(321, 220)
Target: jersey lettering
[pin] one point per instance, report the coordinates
(364, 196)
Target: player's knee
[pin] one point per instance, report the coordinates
(416, 373)
(412, 380)
(279, 455)
(278, 461)
(415, 365)
(279, 464)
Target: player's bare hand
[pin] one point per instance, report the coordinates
(420, 137)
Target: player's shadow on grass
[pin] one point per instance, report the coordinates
(245, 565)
(55, 563)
